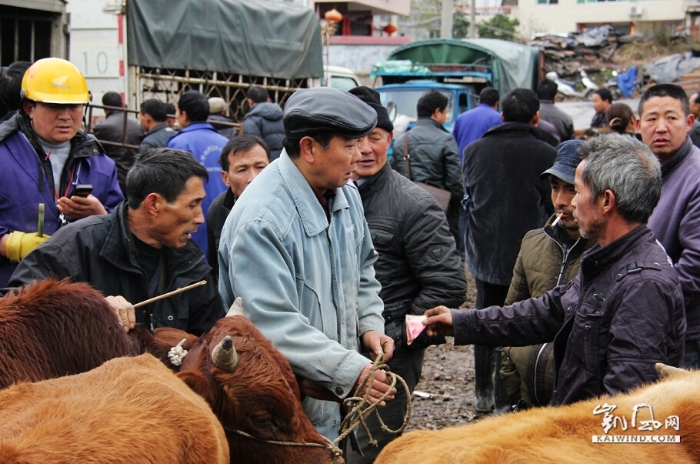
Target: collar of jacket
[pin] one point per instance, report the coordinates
(555, 235)
(313, 218)
(678, 158)
(523, 129)
(597, 259)
(229, 200)
(429, 122)
(119, 238)
(195, 126)
(375, 181)
(156, 128)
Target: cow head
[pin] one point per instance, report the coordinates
(253, 391)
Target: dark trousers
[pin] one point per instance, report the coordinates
(488, 387)
(407, 364)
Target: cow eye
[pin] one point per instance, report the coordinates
(262, 420)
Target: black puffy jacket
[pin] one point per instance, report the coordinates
(418, 265)
(99, 250)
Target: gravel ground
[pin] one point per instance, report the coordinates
(448, 376)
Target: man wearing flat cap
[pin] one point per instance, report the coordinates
(418, 266)
(297, 249)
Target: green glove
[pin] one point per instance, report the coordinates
(20, 244)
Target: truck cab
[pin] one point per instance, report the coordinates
(405, 82)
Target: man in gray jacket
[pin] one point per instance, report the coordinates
(664, 121)
(264, 120)
(434, 156)
(297, 249)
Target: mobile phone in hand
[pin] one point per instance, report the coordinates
(82, 190)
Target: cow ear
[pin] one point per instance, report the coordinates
(669, 371)
(198, 383)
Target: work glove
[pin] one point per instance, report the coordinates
(20, 244)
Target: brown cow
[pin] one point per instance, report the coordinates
(589, 431)
(128, 410)
(50, 329)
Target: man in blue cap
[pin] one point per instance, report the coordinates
(549, 256)
(297, 249)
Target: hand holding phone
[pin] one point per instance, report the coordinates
(82, 190)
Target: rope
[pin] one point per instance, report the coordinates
(359, 407)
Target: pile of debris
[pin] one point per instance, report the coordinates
(590, 50)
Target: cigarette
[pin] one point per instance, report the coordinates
(556, 221)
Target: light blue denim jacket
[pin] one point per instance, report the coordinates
(308, 285)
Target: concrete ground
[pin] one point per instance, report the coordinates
(582, 111)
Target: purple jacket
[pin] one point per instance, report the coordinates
(24, 181)
(676, 224)
(620, 315)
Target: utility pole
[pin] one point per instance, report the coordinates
(472, 19)
(446, 23)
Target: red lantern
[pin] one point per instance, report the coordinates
(390, 28)
(333, 16)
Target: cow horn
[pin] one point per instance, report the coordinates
(224, 355)
(236, 308)
(666, 371)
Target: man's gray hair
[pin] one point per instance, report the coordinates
(627, 167)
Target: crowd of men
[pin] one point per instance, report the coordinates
(585, 254)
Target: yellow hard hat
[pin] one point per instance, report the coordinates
(54, 80)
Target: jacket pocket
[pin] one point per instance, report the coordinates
(590, 327)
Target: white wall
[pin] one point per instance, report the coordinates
(564, 16)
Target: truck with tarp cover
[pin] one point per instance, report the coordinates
(457, 68)
(220, 48)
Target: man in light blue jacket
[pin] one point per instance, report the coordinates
(297, 249)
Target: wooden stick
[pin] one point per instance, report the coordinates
(169, 294)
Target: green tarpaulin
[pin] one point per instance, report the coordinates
(253, 38)
(514, 65)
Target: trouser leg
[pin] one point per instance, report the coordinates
(408, 365)
(487, 359)
(691, 358)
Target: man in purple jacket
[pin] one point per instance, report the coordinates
(664, 122)
(45, 157)
(624, 310)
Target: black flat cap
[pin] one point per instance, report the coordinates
(310, 111)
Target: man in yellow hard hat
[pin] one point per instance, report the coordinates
(47, 159)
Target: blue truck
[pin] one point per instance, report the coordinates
(457, 68)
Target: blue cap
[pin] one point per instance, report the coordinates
(566, 162)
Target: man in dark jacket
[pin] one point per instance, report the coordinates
(549, 257)
(664, 122)
(547, 93)
(264, 120)
(623, 312)
(418, 264)
(507, 198)
(434, 156)
(153, 116)
(241, 160)
(142, 249)
(111, 129)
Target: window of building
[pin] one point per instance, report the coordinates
(547, 2)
